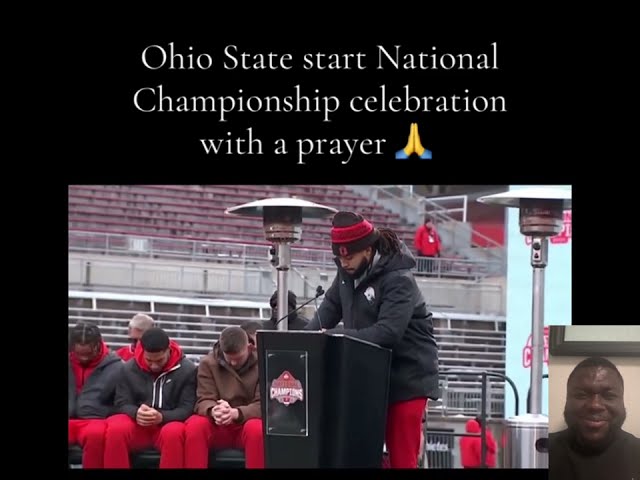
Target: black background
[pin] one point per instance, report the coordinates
(527, 144)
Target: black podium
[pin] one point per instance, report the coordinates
(324, 399)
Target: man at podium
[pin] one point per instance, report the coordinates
(376, 297)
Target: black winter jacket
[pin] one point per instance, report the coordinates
(96, 399)
(387, 308)
(172, 393)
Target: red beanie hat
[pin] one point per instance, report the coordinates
(351, 233)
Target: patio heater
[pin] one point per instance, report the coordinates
(541, 217)
(282, 220)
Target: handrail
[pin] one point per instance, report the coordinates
(483, 404)
(449, 218)
(489, 374)
(418, 199)
(235, 252)
(415, 200)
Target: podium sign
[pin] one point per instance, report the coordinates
(287, 380)
(323, 398)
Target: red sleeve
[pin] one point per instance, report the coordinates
(417, 241)
(491, 443)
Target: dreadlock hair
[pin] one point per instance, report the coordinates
(595, 362)
(85, 334)
(387, 242)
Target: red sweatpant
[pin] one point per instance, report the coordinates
(404, 422)
(89, 434)
(201, 434)
(124, 435)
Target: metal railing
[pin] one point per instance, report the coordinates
(441, 214)
(406, 194)
(238, 281)
(127, 274)
(246, 254)
(170, 248)
(484, 375)
(437, 210)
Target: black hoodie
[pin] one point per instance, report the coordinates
(386, 307)
(172, 392)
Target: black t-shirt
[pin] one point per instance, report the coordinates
(619, 461)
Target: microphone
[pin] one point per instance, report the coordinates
(319, 292)
(318, 311)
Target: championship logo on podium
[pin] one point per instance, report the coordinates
(286, 389)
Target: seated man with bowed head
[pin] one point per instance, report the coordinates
(155, 395)
(594, 446)
(94, 371)
(228, 406)
(139, 324)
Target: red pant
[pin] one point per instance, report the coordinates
(124, 435)
(404, 422)
(201, 434)
(89, 434)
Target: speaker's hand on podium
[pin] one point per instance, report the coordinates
(331, 331)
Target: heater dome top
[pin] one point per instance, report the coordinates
(258, 207)
(512, 198)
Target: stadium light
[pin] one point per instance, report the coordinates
(282, 221)
(541, 217)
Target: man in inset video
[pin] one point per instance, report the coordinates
(594, 446)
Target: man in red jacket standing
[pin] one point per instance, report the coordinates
(139, 324)
(427, 243)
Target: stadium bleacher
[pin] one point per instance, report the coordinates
(467, 342)
(196, 212)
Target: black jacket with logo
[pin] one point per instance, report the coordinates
(386, 307)
(172, 393)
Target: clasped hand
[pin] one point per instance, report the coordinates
(223, 413)
(147, 416)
